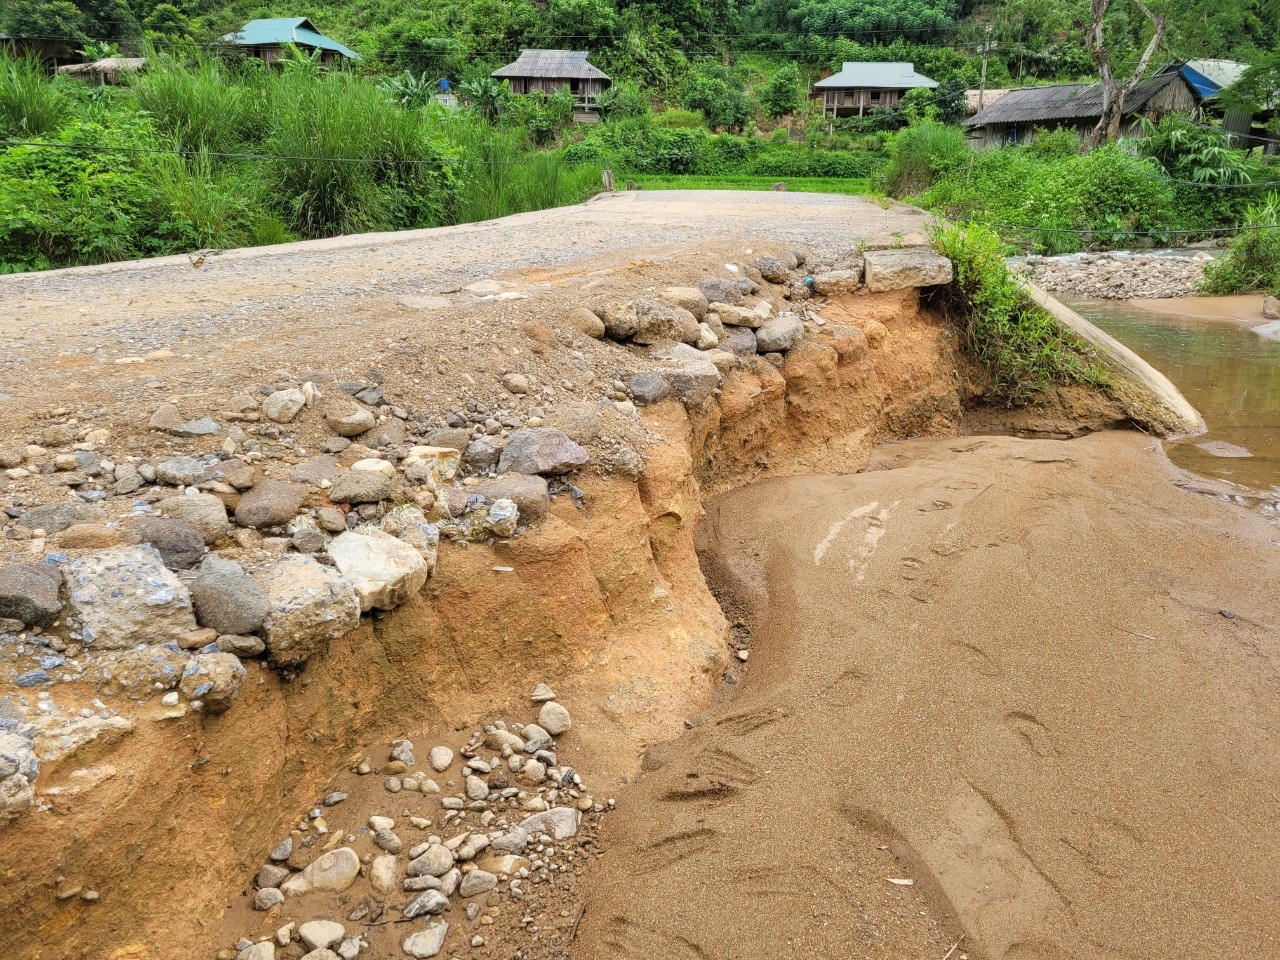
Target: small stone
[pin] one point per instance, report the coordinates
(56, 517)
(560, 822)
(384, 570)
(334, 872)
(516, 383)
(440, 758)
(181, 547)
(1271, 308)
(424, 944)
(214, 679)
(283, 850)
(126, 593)
(402, 750)
(388, 841)
(586, 322)
(271, 875)
(321, 934)
(201, 511)
(362, 486)
(270, 503)
(435, 861)
(477, 789)
(393, 785)
(837, 282)
(384, 875)
(165, 418)
(331, 519)
(901, 269)
(477, 882)
(266, 898)
(427, 903)
(647, 388)
(282, 406)
(204, 427)
(227, 599)
(347, 418)
(554, 718)
(29, 593)
(779, 333)
(542, 693)
(309, 605)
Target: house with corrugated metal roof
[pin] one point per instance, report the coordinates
(267, 40)
(1016, 116)
(861, 87)
(554, 70)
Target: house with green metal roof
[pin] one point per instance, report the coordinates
(267, 39)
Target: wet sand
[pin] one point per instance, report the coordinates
(1242, 308)
(1034, 678)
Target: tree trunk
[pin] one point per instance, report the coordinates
(1113, 93)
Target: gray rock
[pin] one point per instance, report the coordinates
(773, 270)
(283, 405)
(384, 571)
(204, 427)
(270, 875)
(477, 789)
(1271, 308)
(333, 872)
(347, 418)
(692, 376)
(836, 282)
(535, 738)
(737, 316)
(305, 534)
(270, 503)
(126, 596)
(619, 320)
(362, 486)
(321, 934)
(214, 679)
(309, 605)
(648, 387)
(384, 874)
(29, 593)
(282, 850)
(687, 298)
(586, 322)
(227, 599)
(453, 438)
(717, 290)
(427, 903)
(388, 841)
(435, 861)
(203, 511)
(659, 323)
(483, 453)
(513, 841)
(542, 450)
(331, 519)
(560, 823)
(402, 750)
(392, 433)
(779, 333)
(477, 882)
(554, 718)
(181, 546)
(266, 898)
(901, 269)
(740, 341)
(56, 517)
(440, 758)
(542, 693)
(180, 471)
(316, 471)
(424, 944)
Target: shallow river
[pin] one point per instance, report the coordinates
(1230, 373)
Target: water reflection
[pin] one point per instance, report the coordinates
(1227, 371)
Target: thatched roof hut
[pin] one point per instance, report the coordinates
(106, 70)
(553, 70)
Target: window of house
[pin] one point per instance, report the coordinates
(875, 96)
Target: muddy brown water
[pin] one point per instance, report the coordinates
(1224, 368)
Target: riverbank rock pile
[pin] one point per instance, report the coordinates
(262, 527)
(450, 850)
(1117, 276)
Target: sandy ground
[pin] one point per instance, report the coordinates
(1032, 677)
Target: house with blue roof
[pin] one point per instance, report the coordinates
(267, 39)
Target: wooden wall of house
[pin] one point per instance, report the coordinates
(1176, 97)
(844, 98)
(551, 85)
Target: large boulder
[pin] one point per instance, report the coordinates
(779, 333)
(774, 270)
(717, 290)
(347, 418)
(180, 471)
(309, 605)
(659, 323)
(181, 546)
(740, 341)
(227, 599)
(29, 593)
(214, 679)
(126, 596)
(542, 450)
(203, 511)
(900, 269)
(620, 320)
(384, 571)
(283, 405)
(692, 376)
(737, 316)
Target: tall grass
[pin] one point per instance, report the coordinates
(1253, 262)
(199, 107)
(920, 153)
(31, 104)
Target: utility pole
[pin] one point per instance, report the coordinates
(985, 50)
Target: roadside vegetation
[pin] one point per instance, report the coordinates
(1252, 262)
(1022, 347)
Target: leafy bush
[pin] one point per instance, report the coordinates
(1020, 344)
(804, 162)
(715, 93)
(1253, 260)
(1054, 144)
(782, 93)
(920, 154)
(624, 100)
(678, 119)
